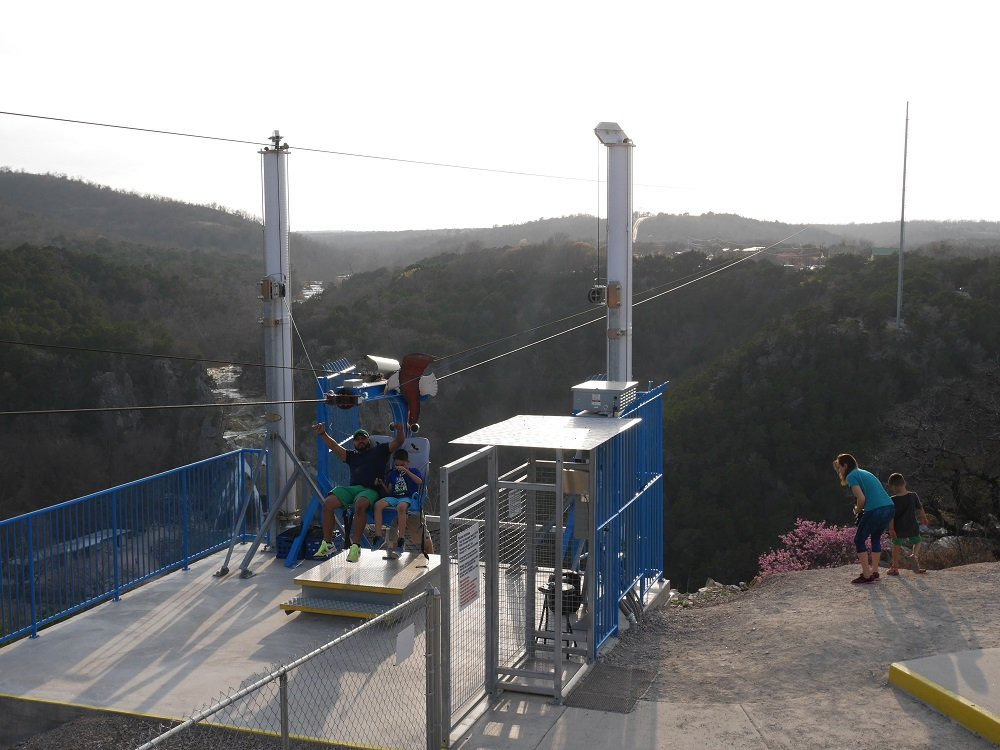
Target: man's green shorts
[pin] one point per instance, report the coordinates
(347, 495)
(899, 542)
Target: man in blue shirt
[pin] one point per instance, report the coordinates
(874, 508)
(367, 462)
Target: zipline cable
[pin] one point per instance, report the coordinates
(400, 160)
(120, 352)
(634, 304)
(33, 412)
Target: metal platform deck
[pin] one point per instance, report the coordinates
(365, 588)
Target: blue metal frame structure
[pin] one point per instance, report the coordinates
(341, 424)
(628, 508)
(65, 558)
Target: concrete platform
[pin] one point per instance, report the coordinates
(362, 589)
(182, 641)
(964, 686)
(170, 646)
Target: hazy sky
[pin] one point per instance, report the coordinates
(788, 111)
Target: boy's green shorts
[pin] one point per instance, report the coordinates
(347, 495)
(899, 542)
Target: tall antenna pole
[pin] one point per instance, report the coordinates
(902, 227)
(274, 292)
(619, 250)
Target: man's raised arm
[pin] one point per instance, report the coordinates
(320, 429)
(398, 440)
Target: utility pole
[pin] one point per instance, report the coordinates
(276, 323)
(902, 227)
(619, 278)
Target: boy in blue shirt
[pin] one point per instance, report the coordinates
(400, 488)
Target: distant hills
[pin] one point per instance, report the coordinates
(676, 232)
(63, 212)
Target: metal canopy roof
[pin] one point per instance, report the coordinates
(565, 433)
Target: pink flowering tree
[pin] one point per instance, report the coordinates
(810, 545)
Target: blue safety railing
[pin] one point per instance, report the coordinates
(59, 560)
(628, 513)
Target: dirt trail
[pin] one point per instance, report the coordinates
(808, 654)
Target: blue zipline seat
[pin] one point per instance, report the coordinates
(419, 451)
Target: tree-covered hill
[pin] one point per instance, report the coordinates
(44, 209)
(772, 370)
(56, 211)
(79, 301)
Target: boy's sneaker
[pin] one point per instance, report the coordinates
(377, 543)
(324, 549)
(353, 553)
(391, 554)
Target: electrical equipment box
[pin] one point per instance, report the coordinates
(597, 295)
(605, 397)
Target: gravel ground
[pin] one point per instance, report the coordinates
(810, 653)
(114, 732)
(806, 653)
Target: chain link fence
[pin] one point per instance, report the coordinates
(470, 632)
(378, 685)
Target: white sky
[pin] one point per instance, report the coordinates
(788, 111)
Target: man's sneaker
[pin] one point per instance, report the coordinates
(863, 579)
(892, 572)
(324, 549)
(353, 553)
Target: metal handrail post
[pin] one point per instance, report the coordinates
(283, 707)
(116, 581)
(492, 516)
(445, 573)
(432, 609)
(185, 517)
(31, 578)
(530, 634)
(557, 570)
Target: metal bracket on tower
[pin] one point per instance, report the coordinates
(271, 289)
(275, 138)
(614, 295)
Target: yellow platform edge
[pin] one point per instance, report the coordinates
(336, 612)
(970, 715)
(305, 583)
